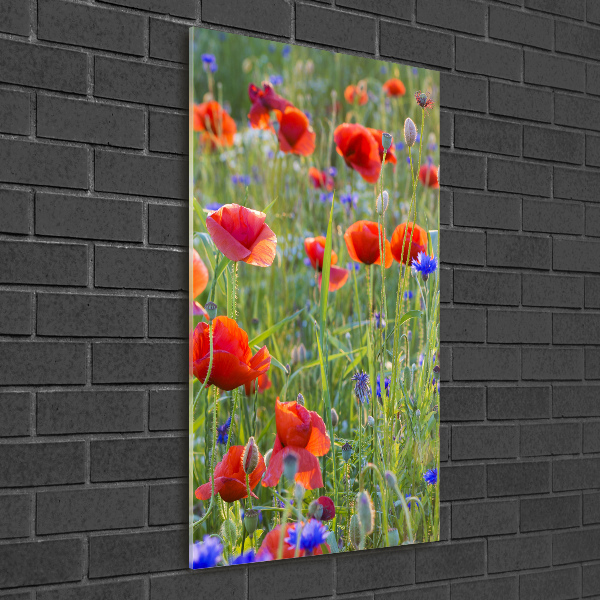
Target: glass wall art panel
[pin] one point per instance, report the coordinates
(314, 302)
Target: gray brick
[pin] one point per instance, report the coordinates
(577, 255)
(519, 327)
(592, 363)
(553, 144)
(464, 482)
(484, 441)
(576, 400)
(487, 135)
(576, 546)
(461, 15)
(136, 459)
(462, 324)
(577, 111)
(28, 464)
(557, 512)
(132, 589)
(487, 589)
(399, 9)
(591, 437)
(89, 510)
(519, 177)
(592, 150)
(156, 362)
(182, 8)
(257, 15)
(15, 211)
(487, 210)
(378, 569)
(553, 217)
(576, 328)
(577, 39)
(558, 584)
(405, 42)
(477, 519)
(140, 82)
(41, 562)
(575, 474)
(591, 508)
(487, 58)
(446, 135)
(463, 170)
(169, 41)
(463, 403)
(518, 553)
(552, 363)
(90, 315)
(168, 132)
(443, 561)
(432, 592)
(574, 9)
(42, 363)
(141, 268)
(89, 412)
(446, 284)
(168, 317)
(591, 579)
(517, 250)
(592, 220)
(14, 516)
(592, 292)
(592, 83)
(518, 402)
(28, 64)
(463, 247)
(16, 313)
(187, 583)
(140, 175)
(14, 111)
(85, 217)
(544, 69)
(168, 504)
(132, 553)
(550, 439)
(82, 25)
(43, 263)
(34, 163)
(518, 479)
(487, 287)
(14, 17)
(520, 27)
(15, 408)
(484, 363)
(168, 410)
(576, 185)
(520, 102)
(168, 224)
(459, 91)
(592, 12)
(552, 290)
(92, 122)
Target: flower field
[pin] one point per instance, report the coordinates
(314, 321)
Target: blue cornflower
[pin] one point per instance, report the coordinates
(223, 431)
(415, 71)
(350, 201)
(408, 160)
(307, 262)
(308, 115)
(326, 197)
(383, 69)
(213, 67)
(312, 535)
(429, 160)
(409, 335)
(418, 139)
(213, 206)
(207, 553)
(421, 359)
(408, 295)
(399, 146)
(430, 476)
(276, 79)
(425, 264)
(386, 382)
(353, 266)
(379, 320)
(332, 171)
(244, 558)
(362, 388)
(271, 47)
(286, 51)
(209, 59)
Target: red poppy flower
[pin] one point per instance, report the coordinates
(390, 155)
(428, 174)
(419, 242)
(270, 543)
(359, 149)
(263, 101)
(328, 508)
(199, 274)
(198, 310)
(233, 363)
(295, 134)
(315, 250)
(240, 233)
(264, 383)
(230, 479)
(302, 432)
(216, 126)
(321, 179)
(362, 241)
(394, 87)
(356, 92)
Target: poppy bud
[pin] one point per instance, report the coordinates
(250, 457)
(418, 412)
(410, 132)
(251, 520)
(300, 399)
(294, 355)
(288, 369)
(366, 511)
(267, 457)
(315, 510)
(211, 309)
(301, 353)
(290, 466)
(346, 451)
(386, 140)
(298, 493)
(393, 536)
(229, 532)
(436, 369)
(370, 421)
(391, 480)
(382, 202)
(334, 417)
(355, 533)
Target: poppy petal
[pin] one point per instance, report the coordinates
(319, 442)
(309, 469)
(293, 423)
(225, 242)
(262, 251)
(337, 278)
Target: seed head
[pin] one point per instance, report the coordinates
(393, 537)
(386, 140)
(300, 399)
(251, 520)
(211, 309)
(346, 451)
(410, 132)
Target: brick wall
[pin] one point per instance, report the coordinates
(93, 273)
